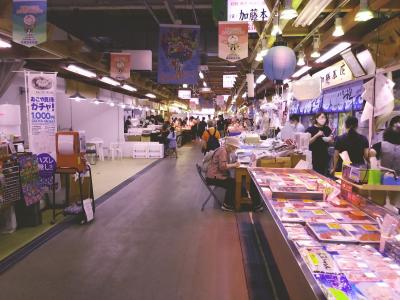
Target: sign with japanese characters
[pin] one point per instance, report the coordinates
(248, 11)
(232, 41)
(120, 66)
(29, 22)
(47, 167)
(228, 81)
(335, 74)
(41, 100)
(344, 98)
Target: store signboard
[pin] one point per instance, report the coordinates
(185, 94)
(334, 75)
(120, 66)
(232, 41)
(228, 81)
(41, 100)
(249, 11)
(29, 22)
(179, 54)
(343, 98)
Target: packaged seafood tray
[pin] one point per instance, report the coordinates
(295, 192)
(336, 286)
(364, 233)
(318, 260)
(315, 216)
(331, 232)
(288, 215)
(354, 216)
(377, 291)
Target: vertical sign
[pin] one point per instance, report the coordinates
(120, 66)
(232, 41)
(178, 54)
(29, 22)
(41, 99)
(249, 11)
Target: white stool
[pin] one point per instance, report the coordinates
(115, 150)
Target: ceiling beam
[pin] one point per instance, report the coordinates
(126, 7)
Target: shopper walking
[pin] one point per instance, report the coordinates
(201, 127)
(321, 138)
(210, 138)
(221, 125)
(388, 151)
(354, 143)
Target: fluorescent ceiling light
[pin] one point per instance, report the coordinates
(301, 59)
(261, 78)
(204, 84)
(122, 105)
(334, 51)
(185, 86)
(301, 71)
(310, 12)
(112, 104)
(129, 88)
(150, 95)
(201, 75)
(97, 102)
(364, 14)
(81, 71)
(4, 44)
(276, 29)
(77, 97)
(338, 27)
(109, 81)
(289, 12)
(244, 95)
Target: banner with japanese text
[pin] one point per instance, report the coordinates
(233, 41)
(42, 123)
(29, 22)
(178, 55)
(120, 66)
(248, 11)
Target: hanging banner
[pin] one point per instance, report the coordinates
(334, 75)
(232, 41)
(120, 66)
(29, 22)
(343, 98)
(41, 99)
(249, 11)
(178, 55)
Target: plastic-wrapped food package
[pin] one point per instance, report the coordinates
(377, 291)
(318, 260)
(336, 286)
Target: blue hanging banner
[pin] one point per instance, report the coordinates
(344, 98)
(178, 55)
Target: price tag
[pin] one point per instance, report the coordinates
(362, 265)
(334, 226)
(370, 275)
(369, 228)
(318, 212)
(394, 266)
(382, 284)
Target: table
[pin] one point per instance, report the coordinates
(242, 184)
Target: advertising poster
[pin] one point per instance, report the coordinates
(120, 66)
(29, 22)
(178, 55)
(41, 99)
(233, 41)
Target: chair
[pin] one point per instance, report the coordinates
(115, 150)
(210, 188)
(140, 150)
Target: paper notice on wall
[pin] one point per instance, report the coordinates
(41, 102)
(66, 144)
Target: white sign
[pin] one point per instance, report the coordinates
(87, 206)
(185, 94)
(228, 81)
(41, 100)
(248, 10)
(334, 75)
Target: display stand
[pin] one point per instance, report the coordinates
(72, 171)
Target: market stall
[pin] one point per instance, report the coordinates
(325, 240)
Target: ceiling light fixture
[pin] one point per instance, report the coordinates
(301, 71)
(334, 51)
(77, 97)
(315, 53)
(301, 59)
(81, 71)
(129, 88)
(201, 75)
(4, 44)
(109, 81)
(310, 12)
(122, 105)
(276, 30)
(364, 14)
(338, 27)
(112, 104)
(289, 12)
(259, 57)
(185, 86)
(244, 95)
(150, 95)
(97, 102)
(204, 84)
(261, 78)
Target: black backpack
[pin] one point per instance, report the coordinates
(212, 142)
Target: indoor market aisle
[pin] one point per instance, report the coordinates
(149, 241)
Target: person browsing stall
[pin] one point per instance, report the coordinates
(218, 171)
(321, 138)
(388, 151)
(210, 138)
(295, 124)
(354, 143)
